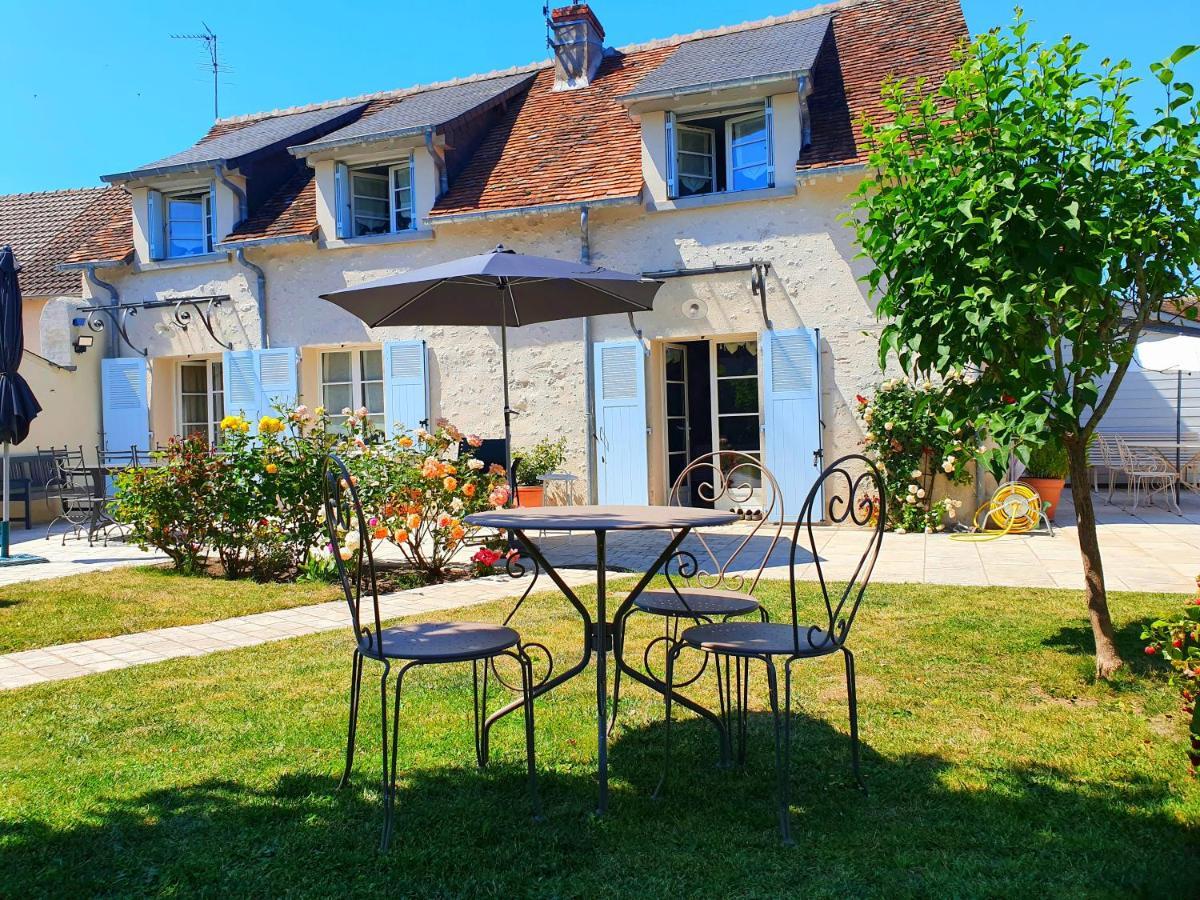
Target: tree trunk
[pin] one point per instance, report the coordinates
(1108, 659)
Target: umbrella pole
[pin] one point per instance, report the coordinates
(4, 545)
(506, 294)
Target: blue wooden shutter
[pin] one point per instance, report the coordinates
(405, 386)
(769, 130)
(792, 414)
(239, 372)
(341, 200)
(124, 403)
(277, 379)
(621, 442)
(155, 230)
(672, 159)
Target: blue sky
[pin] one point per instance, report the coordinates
(101, 87)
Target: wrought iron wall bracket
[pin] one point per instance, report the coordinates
(183, 311)
(759, 269)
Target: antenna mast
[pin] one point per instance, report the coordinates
(209, 39)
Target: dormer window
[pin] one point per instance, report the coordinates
(717, 151)
(375, 198)
(180, 223)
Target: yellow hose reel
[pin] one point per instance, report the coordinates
(1015, 508)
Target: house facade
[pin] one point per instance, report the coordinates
(720, 162)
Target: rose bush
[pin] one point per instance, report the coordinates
(1176, 639)
(909, 435)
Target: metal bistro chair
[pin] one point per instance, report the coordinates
(1103, 457)
(74, 492)
(722, 585)
(110, 461)
(862, 502)
(410, 645)
(1148, 471)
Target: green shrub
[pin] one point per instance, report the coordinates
(1047, 461)
(1176, 639)
(542, 458)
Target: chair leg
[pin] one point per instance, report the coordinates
(479, 708)
(530, 758)
(384, 783)
(852, 699)
(391, 783)
(670, 676)
(352, 730)
(785, 828)
(619, 647)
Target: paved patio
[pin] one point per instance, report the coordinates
(1154, 550)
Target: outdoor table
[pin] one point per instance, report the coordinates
(98, 517)
(598, 633)
(1179, 453)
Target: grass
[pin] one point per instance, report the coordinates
(128, 600)
(996, 767)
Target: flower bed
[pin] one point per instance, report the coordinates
(1176, 639)
(254, 501)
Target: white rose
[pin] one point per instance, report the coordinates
(475, 464)
(888, 426)
(912, 488)
(900, 531)
(921, 492)
(928, 530)
(948, 466)
(950, 513)
(916, 473)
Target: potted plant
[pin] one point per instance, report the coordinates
(1045, 471)
(543, 457)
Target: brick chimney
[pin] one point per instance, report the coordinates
(577, 39)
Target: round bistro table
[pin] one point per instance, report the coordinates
(598, 633)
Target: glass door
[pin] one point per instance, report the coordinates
(736, 416)
(679, 450)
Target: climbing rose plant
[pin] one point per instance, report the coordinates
(913, 441)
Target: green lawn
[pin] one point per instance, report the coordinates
(127, 600)
(996, 768)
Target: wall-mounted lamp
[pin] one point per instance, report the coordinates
(82, 342)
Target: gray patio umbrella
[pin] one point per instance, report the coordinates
(18, 406)
(501, 288)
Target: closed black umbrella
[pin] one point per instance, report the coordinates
(497, 288)
(18, 406)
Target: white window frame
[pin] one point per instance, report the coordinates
(712, 158)
(204, 198)
(729, 167)
(357, 382)
(406, 204)
(215, 388)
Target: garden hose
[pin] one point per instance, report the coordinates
(1014, 508)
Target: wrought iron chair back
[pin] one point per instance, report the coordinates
(347, 528)
(731, 475)
(858, 497)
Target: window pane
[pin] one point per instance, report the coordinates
(742, 476)
(370, 208)
(335, 367)
(737, 395)
(738, 432)
(695, 165)
(337, 397)
(373, 396)
(364, 226)
(372, 365)
(403, 219)
(737, 358)
(195, 409)
(695, 141)
(370, 186)
(186, 231)
(193, 379)
(676, 400)
(218, 406)
(674, 364)
(689, 184)
(184, 210)
(750, 179)
(749, 154)
(676, 436)
(185, 247)
(196, 430)
(400, 178)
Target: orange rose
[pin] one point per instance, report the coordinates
(400, 536)
(449, 469)
(380, 533)
(469, 489)
(388, 509)
(405, 441)
(449, 483)
(457, 533)
(413, 521)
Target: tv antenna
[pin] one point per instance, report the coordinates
(209, 39)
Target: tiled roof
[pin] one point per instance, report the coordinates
(414, 112)
(42, 229)
(870, 42)
(108, 235)
(789, 48)
(291, 212)
(559, 146)
(233, 140)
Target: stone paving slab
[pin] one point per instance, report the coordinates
(80, 658)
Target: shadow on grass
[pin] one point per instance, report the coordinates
(1077, 640)
(925, 829)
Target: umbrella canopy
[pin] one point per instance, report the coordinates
(1174, 353)
(496, 288)
(18, 406)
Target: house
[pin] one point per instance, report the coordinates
(719, 161)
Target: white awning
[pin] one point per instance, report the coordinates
(1168, 353)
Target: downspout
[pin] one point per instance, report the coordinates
(585, 257)
(90, 272)
(439, 162)
(243, 203)
(260, 295)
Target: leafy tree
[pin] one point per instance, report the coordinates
(1023, 227)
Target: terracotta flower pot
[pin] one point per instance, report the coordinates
(531, 495)
(1050, 490)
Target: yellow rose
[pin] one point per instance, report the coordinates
(405, 441)
(271, 468)
(413, 521)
